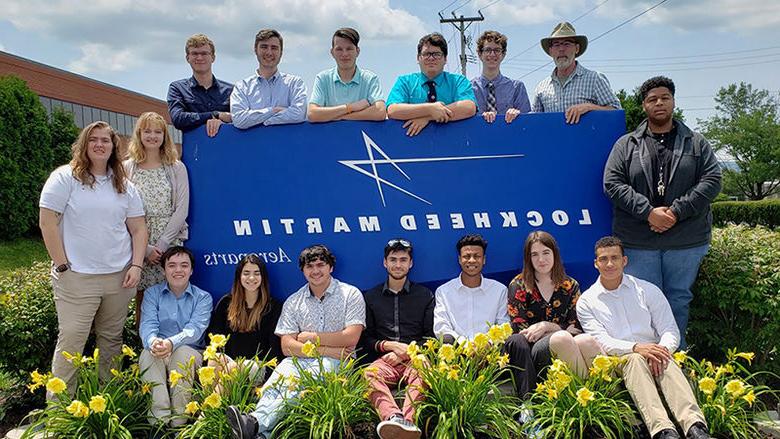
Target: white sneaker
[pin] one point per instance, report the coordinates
(397, 428)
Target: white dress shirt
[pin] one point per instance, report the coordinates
(462, 312)
(636, 312)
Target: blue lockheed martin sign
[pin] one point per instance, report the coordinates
(354, 185)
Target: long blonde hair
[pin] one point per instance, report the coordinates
(168, 152)
(81, 164)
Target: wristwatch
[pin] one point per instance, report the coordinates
(62, 268)
(215, 114)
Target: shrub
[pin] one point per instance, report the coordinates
(114, 409)
(765, 213)
(31, 146)
(28, 319)
(736, 300)
(462, 396)
(728, 395)
(566, 406)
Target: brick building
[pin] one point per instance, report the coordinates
(87, 99)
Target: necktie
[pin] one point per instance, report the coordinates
(431, 91)
(491, 97)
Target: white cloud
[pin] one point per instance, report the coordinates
(123, 33)
(520, 12)
(96, 57)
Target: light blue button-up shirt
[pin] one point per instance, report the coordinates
(411, 89)
(329, 90)
(183, 320)
(254, 98)
(510, 93)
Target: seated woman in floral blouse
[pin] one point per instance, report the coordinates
(542, 309)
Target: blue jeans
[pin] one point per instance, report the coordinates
(269, 407)
(673, 271)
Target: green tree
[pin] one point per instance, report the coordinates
(635, 114)
(747, 129)
(25, 156)
(31, 146)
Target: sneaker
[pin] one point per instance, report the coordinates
(397, 428)
(698, 431)
(244, 426)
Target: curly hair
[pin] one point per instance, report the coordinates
(81, 164)
(491, 36)
(655, 82)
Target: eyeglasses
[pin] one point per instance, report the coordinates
(432, 55)
(492, 51)
(401, 242)
(564, 44)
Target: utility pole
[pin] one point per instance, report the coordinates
(461, 24)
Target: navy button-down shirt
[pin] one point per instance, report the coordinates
(190, 105)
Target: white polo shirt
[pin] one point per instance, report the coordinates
(463, 312)
(93, 228)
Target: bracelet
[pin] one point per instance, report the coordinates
(136, 265)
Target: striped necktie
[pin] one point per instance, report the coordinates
(491, 97)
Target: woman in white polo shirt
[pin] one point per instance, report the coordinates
(92, 222)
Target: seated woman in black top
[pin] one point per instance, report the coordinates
(248, 314)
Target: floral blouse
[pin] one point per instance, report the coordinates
(529, 307)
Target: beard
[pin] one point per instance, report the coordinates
(563, 63)
(396, 277)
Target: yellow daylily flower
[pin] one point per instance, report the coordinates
(146, 388)
(507, 328)
(750, 397)
(213, 400)
(309, 349)
(128, 351)
(447, 352)
(503, 360)
(218, 340)
(452, 374)
(602, 363)
(206, 375)
(412, 349)
(210, 353)
(735, 388)
(97, 404)
(273, 362)
(746, 355)
(191, 408)
(430, 344)
(584, 396)
(259, 392)
(78, 409)
(496, 334)
(707, 385)
(55, 385)
(680, 357)
(115, 373)
(174, 377)
(481, 340)
(552, 393)
(540, 388)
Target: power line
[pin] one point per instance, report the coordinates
(464, 4)
(489, 5)
(660, 58)
(691, 68)
(701, 63)
(536, 44)
(448, 5)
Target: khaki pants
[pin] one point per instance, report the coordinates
(675, 390)
(84, 300)
(166, 400)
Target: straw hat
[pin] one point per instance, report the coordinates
(565, 30)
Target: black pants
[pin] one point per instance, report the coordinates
(528, 359)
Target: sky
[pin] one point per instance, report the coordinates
(702, 45)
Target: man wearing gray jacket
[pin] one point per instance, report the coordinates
(661, 179)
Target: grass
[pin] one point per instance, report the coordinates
(21, 252)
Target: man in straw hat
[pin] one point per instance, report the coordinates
(571, 88)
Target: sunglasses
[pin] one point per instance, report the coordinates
(402, 242)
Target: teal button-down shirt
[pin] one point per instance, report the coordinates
(329, 90)
(411, 89)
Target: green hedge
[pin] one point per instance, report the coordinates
(764, 213)
(28, 321)
(31, 146)
(737, 297)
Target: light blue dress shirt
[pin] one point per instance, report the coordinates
(254, 98)
(329, 90)
(411, 89)
(183, 320)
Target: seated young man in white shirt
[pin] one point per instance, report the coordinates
(630, 317)
(470, 303)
